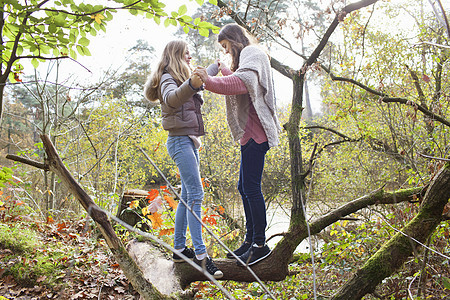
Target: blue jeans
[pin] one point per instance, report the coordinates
(249, 186)
(185, 156)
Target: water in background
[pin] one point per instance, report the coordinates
(278, 222)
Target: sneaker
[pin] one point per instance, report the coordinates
(188, 252)
(241, 250)
(208, 265)
(254, 254)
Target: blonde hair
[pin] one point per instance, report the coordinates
(173, 62)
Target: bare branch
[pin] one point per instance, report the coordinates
(386, 99)
(29, 162)
(328, 129)
(433, 157)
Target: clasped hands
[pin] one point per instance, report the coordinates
(200, 75)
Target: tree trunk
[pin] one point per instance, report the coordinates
(275, 267)
(397, 250)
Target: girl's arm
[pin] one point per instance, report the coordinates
(175, 96)
(226, 85)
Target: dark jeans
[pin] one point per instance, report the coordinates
(249, 186)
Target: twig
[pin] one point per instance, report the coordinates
(433, 157)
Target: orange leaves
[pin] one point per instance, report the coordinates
(50, 220)
(209, 219)
(152, 194)
(154, 211)
(172, 203)
(205, 182)
(166, 231)
(156, 219)
(220, 209)
(156, 201)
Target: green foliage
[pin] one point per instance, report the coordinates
(35, 263)
(19, 238)
(6, 176)
(52, 30)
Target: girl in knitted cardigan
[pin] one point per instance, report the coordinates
(251, 116)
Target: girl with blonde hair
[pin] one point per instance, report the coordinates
(177, 91)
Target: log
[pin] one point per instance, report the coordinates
(130, 217)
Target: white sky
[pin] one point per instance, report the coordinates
(109, 50)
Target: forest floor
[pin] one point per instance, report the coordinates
(68, 259)
(77, 266)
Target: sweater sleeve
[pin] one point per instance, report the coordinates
(175, 96)
(225, 71)
(226, 85)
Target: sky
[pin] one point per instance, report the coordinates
(110, 50)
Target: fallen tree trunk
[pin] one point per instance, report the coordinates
(387, 260)
(275, 267)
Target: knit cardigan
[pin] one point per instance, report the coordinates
(254, 70)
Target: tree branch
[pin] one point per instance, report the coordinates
(377, 197)
(386, 99)
(394, 253)
(29, 162)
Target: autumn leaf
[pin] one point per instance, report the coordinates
(152, 194)
(98, 18)
(156, 220)
(221, 209)
(16, 77)
(61, 226)
(155, 205)
(157, 147)
(164, 189)
(172, 203)
(205, 182)
(166, 231)
(115, 265)
(134, 204)
(50, 220)
(210, 220)
(426, 78)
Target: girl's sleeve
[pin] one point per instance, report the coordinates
(226, 85)
(175, 96)
(226, 72)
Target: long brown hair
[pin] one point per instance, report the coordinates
(172, 61)
(239, 39)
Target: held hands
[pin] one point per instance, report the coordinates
(220, 64)
(201, 72)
